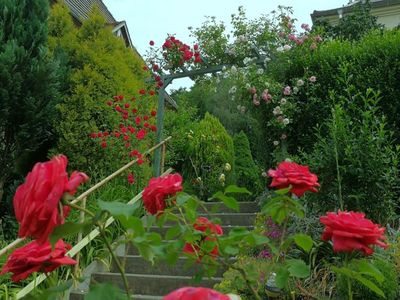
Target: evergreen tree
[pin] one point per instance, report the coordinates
(28, 87)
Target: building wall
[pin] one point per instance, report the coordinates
(388, 16)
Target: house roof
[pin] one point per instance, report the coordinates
(80, 9)
(346, 9)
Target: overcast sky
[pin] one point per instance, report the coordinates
(154, 19)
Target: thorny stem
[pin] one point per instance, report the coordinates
(79, 208)
(116, 260)
(350, 292)
(108, 245)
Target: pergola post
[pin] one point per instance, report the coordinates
(167, 79)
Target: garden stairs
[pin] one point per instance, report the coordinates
(152, 282)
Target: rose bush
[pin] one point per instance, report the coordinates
(351, 231)
(298, 177)
(195, 293)
(158, 190)
(37, 200)
(210, 231)
(36, 257)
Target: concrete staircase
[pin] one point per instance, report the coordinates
(154, 281)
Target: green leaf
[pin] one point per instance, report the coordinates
(104, 291)
(134, 223)
(233, 189)
(228, 201)
(173, 232)
(298, 268)
(365, 267)
(182, 198)
(67, 229)
(231, 250)
(283, 191)
(357, 276)
(282, 277)
(304, 241)
(116, 208)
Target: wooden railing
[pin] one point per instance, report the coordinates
(83, 241)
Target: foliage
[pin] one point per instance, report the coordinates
(210, 149)
(28, 88)
(247, 173)
(389, 286)
(371, 62)
(179, 124)
(360, 148)
(353, 25)
(98, 65)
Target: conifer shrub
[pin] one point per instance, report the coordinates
(247, 172)
(209, 151)
(97, 66)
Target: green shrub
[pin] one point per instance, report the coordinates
(389, 286)
(208, 151)
(247, 173)
(98, 66)
(358, 142)
(371, 62)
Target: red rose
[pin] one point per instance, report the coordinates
(36, 201)
(151, 43)
(142, 92)
(158, 189)
(141, 134)
(299, 177)
(350, 231)
(195, 293)
(35, 257)
(131, 178)
(137, 120)
(153, 128)
(153, 113)
(204, 225)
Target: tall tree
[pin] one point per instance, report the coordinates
(28, 87)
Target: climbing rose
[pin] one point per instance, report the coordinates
(299, 177)
(204, 225)
(351, 231)
(158, 189)
(36, 257)
(36, 201)
(195, 293)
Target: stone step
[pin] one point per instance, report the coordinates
(225, 228)
(219, 207)
(234, 219)
(135, 264)
(158, 285)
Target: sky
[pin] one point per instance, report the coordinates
(154, 19)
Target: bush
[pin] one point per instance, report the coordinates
(208, 151)
(247, 173)
(356, 161)
(98, 66)
(389, 286)
(371, 62)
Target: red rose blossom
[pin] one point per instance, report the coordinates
(351, 231)
(35, 257)
(36, 201)
(158, 189)
(141, 134)
(195, 293)
(299, 177)
(204, 225)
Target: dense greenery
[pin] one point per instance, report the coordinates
(209, 149)
(98, 66)
(28, 93)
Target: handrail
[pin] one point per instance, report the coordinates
(78, 247)
(92, 189)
